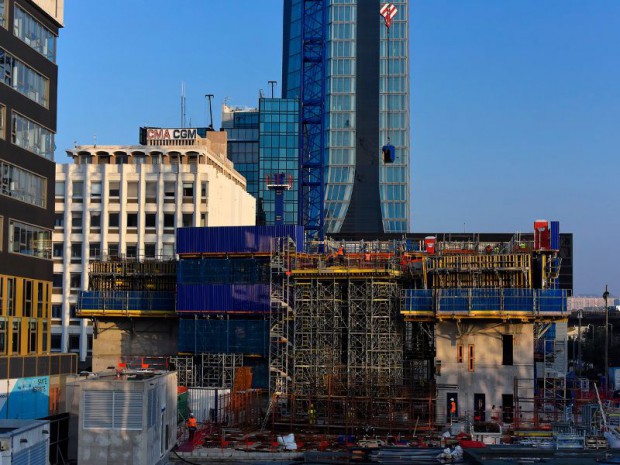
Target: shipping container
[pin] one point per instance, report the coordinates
(223, 298)
(542, 235)
(235, 239)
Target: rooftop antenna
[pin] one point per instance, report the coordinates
(182, 104)
(210, 96)
(94, 140)
(272, 84)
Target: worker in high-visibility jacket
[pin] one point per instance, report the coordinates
(452, 409)
(311, 415)
(191, 424)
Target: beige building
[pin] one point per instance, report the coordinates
(126, 202)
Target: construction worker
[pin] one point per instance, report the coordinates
(311, 415)
(340, 254)
(191, 424)
(452, 409)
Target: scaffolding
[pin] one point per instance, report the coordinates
(133, 275)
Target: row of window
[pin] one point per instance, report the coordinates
(12, 334)
(32, 296)
(150, 220)
(22, 185)
(32, 137)
(507, 353)
(114, 189)
(25, 80)
(34, 34)
(146, 250)
(73, 343)
(30, 240)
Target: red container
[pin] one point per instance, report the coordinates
(542, 235)
(429, 244)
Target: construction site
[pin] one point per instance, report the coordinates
(351, 336)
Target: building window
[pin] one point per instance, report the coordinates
(168, 250)
(507, 349)
(56, 343)
(95, 220)
(76, 252)
(121, 158)
(204, 186)
(57, 311)
(188, 189)
(76, 222)
(459, 353)
(1, 242)
(168, 220)
(23, 185)
(59, 220)
(95, 190)
(132, 250)
(75, 280)
(113, 220)
(150, 191)
(34, 33)
(203, 219)
(132, 190)
(132, 220)
(150, 220)
(57, 280)
(188, 219)
(169, 189)
(29, 240)
(471, 361)
(94, 250)
(10, 296)
(115, 189)
(28, 288)
(32, 137)
(15, 346)
(149, 250)
(3, 336)
(112, 250)
(41, 300)
(78, 191)
(58, 249)
(32, 336)
(85, 159)
(60, 189)
(74, 342)
(25, 80)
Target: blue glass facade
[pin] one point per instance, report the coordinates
(262, 142)
(279, 153)
(366, 105)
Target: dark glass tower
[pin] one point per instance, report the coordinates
(366, 103)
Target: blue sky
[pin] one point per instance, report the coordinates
(515, 104)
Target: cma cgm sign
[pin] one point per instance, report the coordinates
(172, 134)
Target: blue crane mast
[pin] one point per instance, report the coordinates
(312, 117)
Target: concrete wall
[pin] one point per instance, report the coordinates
(97, 446)
(489, 376)
(140, 337)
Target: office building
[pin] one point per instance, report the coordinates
(264, 142)
(366, 105)
(28, 106)
(125, 202)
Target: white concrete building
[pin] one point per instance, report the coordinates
(127, 201)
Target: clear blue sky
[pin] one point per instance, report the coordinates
(515, 104)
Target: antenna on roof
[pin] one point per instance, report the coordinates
(182, 104)
(94, 140)
(272, 84)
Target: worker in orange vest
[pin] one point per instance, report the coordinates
(452, 409)
(192, 424)
(340, 254)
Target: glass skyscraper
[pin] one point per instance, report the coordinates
(366, 106)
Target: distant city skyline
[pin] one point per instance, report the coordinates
(514, 105)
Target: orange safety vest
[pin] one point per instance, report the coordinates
(191, 422)
(452, 407)
(341, 251)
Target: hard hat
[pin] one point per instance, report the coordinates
(191, 414)
(452, 399)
